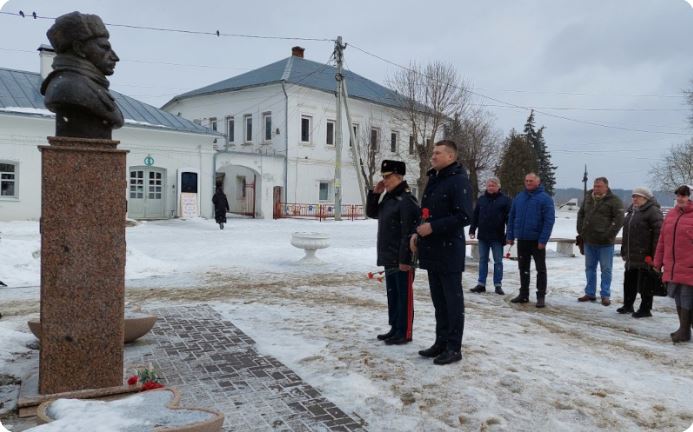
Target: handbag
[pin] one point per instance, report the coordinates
(653, 282)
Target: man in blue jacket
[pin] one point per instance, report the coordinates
(490, 216)
(531, 220)
(441, 246)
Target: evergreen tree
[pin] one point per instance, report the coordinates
(517, 160)
(545, 170)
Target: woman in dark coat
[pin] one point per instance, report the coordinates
(221, 206)
(640, 235)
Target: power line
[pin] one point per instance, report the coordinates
(521, 107)
(216, 33)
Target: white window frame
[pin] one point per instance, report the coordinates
(230, 129)
(14, 180)
(329, 190)
(265, 129)
(395, 135)
(213, 124)
(310, 128)
(329, 135)
(246, 129)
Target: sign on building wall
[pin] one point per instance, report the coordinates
(188, 205)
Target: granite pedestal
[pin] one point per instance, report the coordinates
(83, 210)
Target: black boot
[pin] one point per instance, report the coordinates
(397, 340)
(683, 334)
(434, 351)
(478, 289)
(447, 357)
(625, 309)
(645, 307)
(540, 302)
(387, 335)
(521, 298)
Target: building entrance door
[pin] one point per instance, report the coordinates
(146, 199)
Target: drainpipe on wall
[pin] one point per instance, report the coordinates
(286, 143)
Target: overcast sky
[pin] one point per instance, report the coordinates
(622, 64)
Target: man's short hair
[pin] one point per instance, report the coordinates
(494, 180)
(531, 173)
(603, 180)
(449, 144)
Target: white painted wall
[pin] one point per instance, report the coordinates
(20, 136)
(307, 164)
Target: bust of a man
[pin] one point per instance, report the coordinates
(77, 89)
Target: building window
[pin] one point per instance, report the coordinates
(324, 194)
(230, 129)
(267, 122)
(411, 145)
(329, 139)
(355, 128)
(306, 128)
(375, 140)
(8, 179)
(137, 184)
(248, 122)
(393, 142)
(213, 123)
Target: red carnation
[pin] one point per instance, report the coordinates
(370, 275)
(425, 213)
(507, 254)
(132, 380)
(648, 260)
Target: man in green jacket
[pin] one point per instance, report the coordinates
(599, 219)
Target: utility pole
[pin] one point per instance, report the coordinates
(584, 185)
(339, 58)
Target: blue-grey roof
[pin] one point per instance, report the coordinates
(307, 73)
(21, 89)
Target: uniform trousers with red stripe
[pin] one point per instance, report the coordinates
(400, 301)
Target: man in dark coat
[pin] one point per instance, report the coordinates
(599, 219)
(530, 221)
(221, 206)
(398, 214)
(441, 246)
(490, 216)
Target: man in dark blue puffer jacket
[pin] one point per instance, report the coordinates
(531, 220)
(490, 216)
(441, 245)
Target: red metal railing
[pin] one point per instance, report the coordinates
(320, 211)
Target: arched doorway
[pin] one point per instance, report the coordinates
(241, 186)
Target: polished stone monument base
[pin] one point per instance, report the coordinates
(83, 210)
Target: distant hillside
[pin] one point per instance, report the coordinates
(666, 199)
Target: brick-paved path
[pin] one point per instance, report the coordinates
(215, 365)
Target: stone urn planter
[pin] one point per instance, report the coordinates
(148, 411)
(310, 242)
(136, 325)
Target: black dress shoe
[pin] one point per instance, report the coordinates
(540, 302)
(641, 314)
(520, 299)
(387, 335)
(397, 340)
(625, 310)
(433, 351)
(478, 289)
(499, 290)
(448, 357)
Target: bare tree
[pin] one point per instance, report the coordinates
(429, 96)
(370, 152)
(479, 145)
(675, 169)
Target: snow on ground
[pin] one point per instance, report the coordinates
(569, 367)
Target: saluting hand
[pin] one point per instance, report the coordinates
(379, 187)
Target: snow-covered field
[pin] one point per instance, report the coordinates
(569, 367)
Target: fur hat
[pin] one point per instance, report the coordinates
(393, 167)
(643, 192)
(73, 27)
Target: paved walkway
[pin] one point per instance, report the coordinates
(215, 365)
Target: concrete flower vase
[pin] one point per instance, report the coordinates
(136, 326)
(310, 242)
(149, 411)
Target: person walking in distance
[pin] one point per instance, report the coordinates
(530, 221)
(490, 217)
(600, 218)
(221, 206)
(640, 235)
(441, 246)
(398, 214)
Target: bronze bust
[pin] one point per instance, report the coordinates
(77, 89)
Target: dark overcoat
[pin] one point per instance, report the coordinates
(490, 217)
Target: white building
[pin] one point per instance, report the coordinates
(279, 121)
(170, 159)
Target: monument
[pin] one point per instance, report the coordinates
(83, 210)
